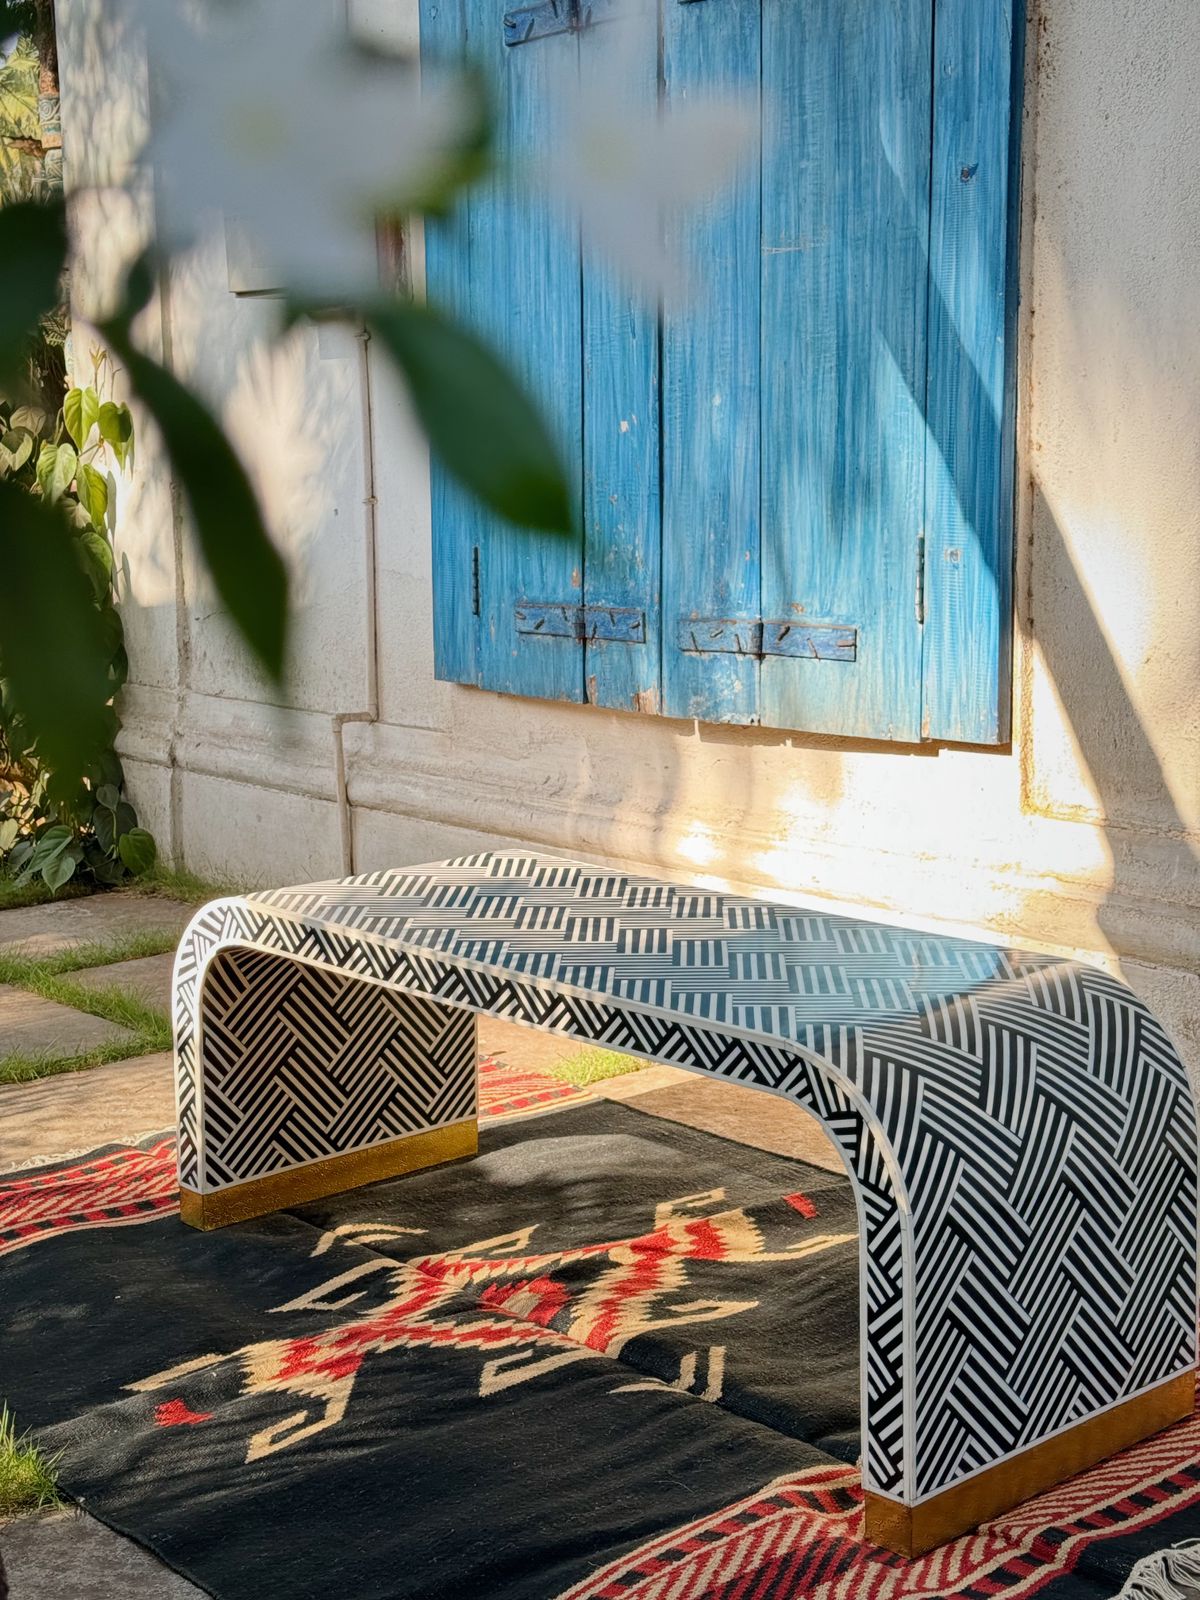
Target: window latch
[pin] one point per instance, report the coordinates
(820, 641)
(613, 624)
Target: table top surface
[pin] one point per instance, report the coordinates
(773, 970)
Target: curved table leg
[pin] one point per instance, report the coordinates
(297, 1083)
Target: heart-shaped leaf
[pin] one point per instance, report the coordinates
(57, 464)
(93, 495)
(59, 871)
(138, 850)
(81, 412)
(116, 429)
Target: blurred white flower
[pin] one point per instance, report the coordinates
(629, 168)
(267, 115)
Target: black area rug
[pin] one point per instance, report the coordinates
(484, 1379)
(609, 1359)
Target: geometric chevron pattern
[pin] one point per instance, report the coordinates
(301, 1064)
(1020, 1131)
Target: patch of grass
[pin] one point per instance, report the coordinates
(25, 970)
(593, 1066)
(177, 883)
(28, 1478)
(14, 896)
(114, 1004)
(22, 1067)
(50, 977)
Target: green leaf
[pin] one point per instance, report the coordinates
(116, 429)
(104, 826)
(57, 872)
(108, 796)
(125, 818)
(110, 770)
(9, 832)
(50, 842)
(246, 568)
(56, 468)
(31, 417)
(16, 447)
(81, 412)
(487, 432)
(33, 252)
(52, 653)
(93, 496)
(138, 850)
(98, 559)
(104, 868)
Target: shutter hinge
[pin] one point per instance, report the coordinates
(920, 594)
(615, 624)
(475, 596)
(814, 641)
(554, 16)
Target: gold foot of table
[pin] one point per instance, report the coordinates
(913, 1530)
(298, 1185)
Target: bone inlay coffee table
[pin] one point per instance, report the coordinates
(1018, 1129)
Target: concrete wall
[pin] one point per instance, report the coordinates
(1084, 835)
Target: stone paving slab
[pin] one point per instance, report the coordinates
(76, 1111)
(149, 977)
(67, 1555)
(715, 1105)
(34, 1026)
(64, 924)
(515, 1045)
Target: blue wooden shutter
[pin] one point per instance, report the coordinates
(509, 266)
(971, 375)
(517, 611)
(828, 544)
(622, 498)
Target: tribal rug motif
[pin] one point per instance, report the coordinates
(612, 1358)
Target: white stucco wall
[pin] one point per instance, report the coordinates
(1085, 835)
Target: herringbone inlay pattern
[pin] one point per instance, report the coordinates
(1020, 1131)
(301, 1064)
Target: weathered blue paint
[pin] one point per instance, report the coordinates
(603, 624)
(510, 267)
(796, 488)
(551, 621)
(526, 23)
(455, 526)
(622, 500)
(845, 186)
(721, 636)
(710, 424)
(613, 624)
(810, 641)
(970, 398)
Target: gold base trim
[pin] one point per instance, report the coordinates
(913, 1530)
(241, 1201)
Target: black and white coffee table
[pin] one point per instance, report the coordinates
(1019, 1131)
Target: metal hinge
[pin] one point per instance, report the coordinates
(920, 595)
(555, 16)
(820, 641)
(615, 624)
(475, 606)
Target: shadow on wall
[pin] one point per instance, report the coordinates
(1114, 746)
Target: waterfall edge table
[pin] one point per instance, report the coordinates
(1018, 1129)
